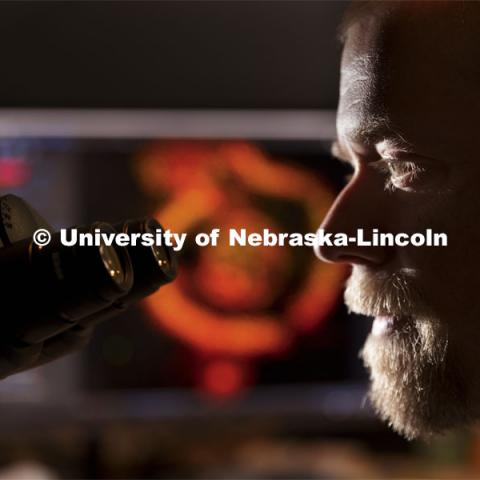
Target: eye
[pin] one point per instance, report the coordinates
(409, 176)
(405, 175)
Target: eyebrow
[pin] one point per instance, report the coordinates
(370, 133)
(375, 130)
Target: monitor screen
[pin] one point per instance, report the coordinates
(255, 309)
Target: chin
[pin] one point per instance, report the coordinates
(418, 368)
(416, 383)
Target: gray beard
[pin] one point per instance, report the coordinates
(416, 386)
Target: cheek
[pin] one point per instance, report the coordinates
(450, 276)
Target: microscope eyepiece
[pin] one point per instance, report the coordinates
(50, 288)
(112, 263)
(59, 285)
(153, 266)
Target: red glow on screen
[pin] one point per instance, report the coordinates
(223, 378)
(239, 303)
(14, 172)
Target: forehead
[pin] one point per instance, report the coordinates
(412, 71)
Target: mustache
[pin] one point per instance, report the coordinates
(376, 293)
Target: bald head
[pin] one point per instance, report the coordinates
(444, 31)
(413, 59)
(459, 11)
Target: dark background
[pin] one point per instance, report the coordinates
(167, 54)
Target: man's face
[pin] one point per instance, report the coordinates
(408, 124)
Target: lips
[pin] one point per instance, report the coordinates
(385, 325)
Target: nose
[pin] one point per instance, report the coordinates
(360, 205)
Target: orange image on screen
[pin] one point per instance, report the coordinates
(233, 305)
